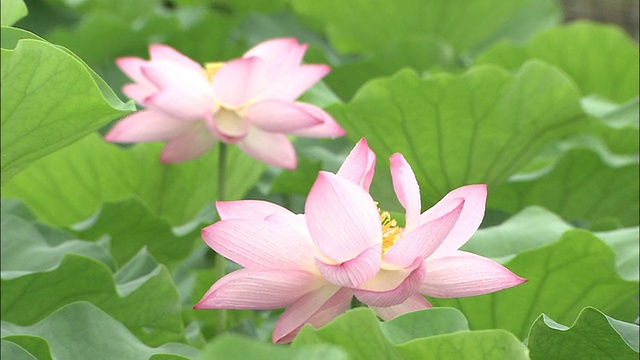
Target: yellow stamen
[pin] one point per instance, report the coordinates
(391, 232)
(212, 68)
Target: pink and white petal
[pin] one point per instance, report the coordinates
(301, 310)
(249, 209)
(146, 125)
(352, 272)
(413, 303)
(164, 52)
(261, 245)
(475, 197)
(289, 84)
(139, 92)
(406, 187)
(182, 101)
(273, 149)
(465, 274)
(279, 116)
(194, 142)
(228, 125)
(259, 290)
(342, 218)
(329, 127)
(132, 67)
(336, 305)
(384, 289)
(164, 74)
(359, 165)
(424, 240)
(285, 52)
(238, 81)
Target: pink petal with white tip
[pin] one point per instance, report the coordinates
(475, 197)
(194, 142)
(342, 218)
(164, 52)
(265, 290)
(249, 209)
(328, 128)
(465, 274)
(271, 148)
(261, 245)
(359, 165)
(238, 81)
(146, 125)
(279, 116)
(336, 305)
(300, 311)
(424, 240)
(413, 303)
(406, 188)
(390, 288)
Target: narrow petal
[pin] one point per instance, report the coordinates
(280, 116)
(475, 197)
(465, 274)
(406, 187)
(413, 303)
(191, 144)
(146, 125)
(259, 290)
(359, 165)
(249, 209)
(342, 218)
(164, 52)
(139, 92)
(271, 148)
(424, 240)
(336, 305)
(384, 290)
(352, 272)
(261, 245)
(329, 127)
(238, 81)
(132, 67)
(300, 311)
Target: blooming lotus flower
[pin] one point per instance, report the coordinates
(423, 257)
(313, 263)
(248, 101)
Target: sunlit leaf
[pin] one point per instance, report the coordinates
(584, 51)
(563, 277)
(12, 11)
(593, 335)
(70, 185)
(478, 127)
(49, 100)
(361, 334)
(83, 331)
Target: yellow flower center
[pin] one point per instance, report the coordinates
(391, 232)
(210, 69)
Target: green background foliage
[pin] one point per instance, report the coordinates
(101, 248)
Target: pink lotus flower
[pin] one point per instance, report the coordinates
(313, 264)
(248, 101)
(423, 257)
